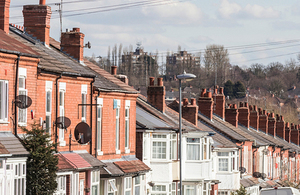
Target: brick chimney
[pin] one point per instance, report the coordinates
(263, 120)
(294, 134)
(220, 103)
(244, 114)
(72, 43)
(254, 117)
(205, 104)
(280, 127)
(4, 15)
(287, 132)
(190, 111)
(272, 124)
(156, 94)
(37, 21)
(231, 115)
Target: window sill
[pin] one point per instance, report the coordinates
(4, 122)
(118, 152)
(62, 143)
(100, 153)
(22, 124)
(127, 151)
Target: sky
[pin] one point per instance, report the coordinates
(253, 31)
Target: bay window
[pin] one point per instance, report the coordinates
(173, 147)
(228, 161)
(193, 149)
(3, 101)
(159, 146)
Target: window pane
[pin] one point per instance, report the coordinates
(193, 152)
(126, 133)
(48, 102)
(193, 140)
(223, 164)
(48, 124)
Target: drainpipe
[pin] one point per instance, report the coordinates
(241, 159)
(96, 126)
(273, 162)
(281, 158)
(289, 167)
(56, 106)
(296, 165)
(16, 94)
(91, 116)
(253, 161)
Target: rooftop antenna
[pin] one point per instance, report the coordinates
(60, 15)
(138, 44)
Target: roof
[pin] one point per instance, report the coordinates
(10, 44)
(12, 144)
(76, 161)
(91, 160)
(111, 170)
(63, 164)
(149, 121)
(133, 166)
(3, 150)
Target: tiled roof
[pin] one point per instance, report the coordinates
(91, 160)
(10, 44)
(3, 150)
(111, 170)
(63, 164)
(76, 160)
(133, 166)
(12, 144)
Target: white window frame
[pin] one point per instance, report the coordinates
(4, 101)
(127, 126)
(190, 142)
(158, 189)
(19, 175)
(231, 158)
(127, 185)
(83, 101)
(22, 113)
(95, 178)
(61, 185)
(118, 127)
(189, 187)
(49, 85)
(137, 185)
(62, 92)
(75, 183)
(173, 147)
(99, 125)
(160, 150)
(205, 149)
(111, 187)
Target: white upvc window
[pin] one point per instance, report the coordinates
(223, 161)
(206, 189)
(62, 91)
(193, 149)
(159, 190)
(228, 161)
(48, 106)
(127, 126)
(127, 186)
(3, 101)
(223, 192)
(19, 178)
(111, 187)
(22, 113)
(173, 147)
(159, 146)
(83, 101)
(95, 182)
(206, 153)
(75, 183)
(118, 106)
(99, 125)
(189, 189)
(137, 185)
(61, 185)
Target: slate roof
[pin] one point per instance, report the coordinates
(12, 144)
(12, 45)
(149, 121)
(111, 170)
(91, 160)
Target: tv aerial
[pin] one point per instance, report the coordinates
(83, 133)
(23, 101)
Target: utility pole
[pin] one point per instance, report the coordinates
(60, 15)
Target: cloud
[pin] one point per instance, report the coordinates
(228, 10)
(200, 39)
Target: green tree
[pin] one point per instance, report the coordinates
(41, 163)
(241, 191)
(239, 90)
(228, 89)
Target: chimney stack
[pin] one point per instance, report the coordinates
(37, 21)
(280, 127)
(220, 103)
(205, 104)
(294, 134)
(4, 15)
(156, 94)
(272, 125)
(287, 132)
(243, 116)
(231, 115)
(190, 111)
(72, 43)
(253, 117)
(263, 121)
(114, 70)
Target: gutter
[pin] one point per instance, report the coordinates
(117, 90)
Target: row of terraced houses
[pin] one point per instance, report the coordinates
(134, 139)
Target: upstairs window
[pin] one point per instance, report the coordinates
(127, 127)
(117, 105)
(62, 91)
(159, 146)
(193, 149)
(3, 101)
(99, 123)
(22, 113)
(48, 106)
(83, 101)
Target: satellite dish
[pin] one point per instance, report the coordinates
(263, 175)
(257, 174)
(63, 122)
(83, 133)
(23, 101)
(242, 170)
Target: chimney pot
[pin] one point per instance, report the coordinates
(250, 108)
(76, 29)
(185, 101)
(159, 81)
(234, 106)
(42, 2)
(208, 94)
(193, 101)
(246, 104)
(114, 70)
(264, 112)
(215, 91)
(203, 92)
(241, 104)
(221, 90)
(151, 81)
(281, 118)
(287, 124)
